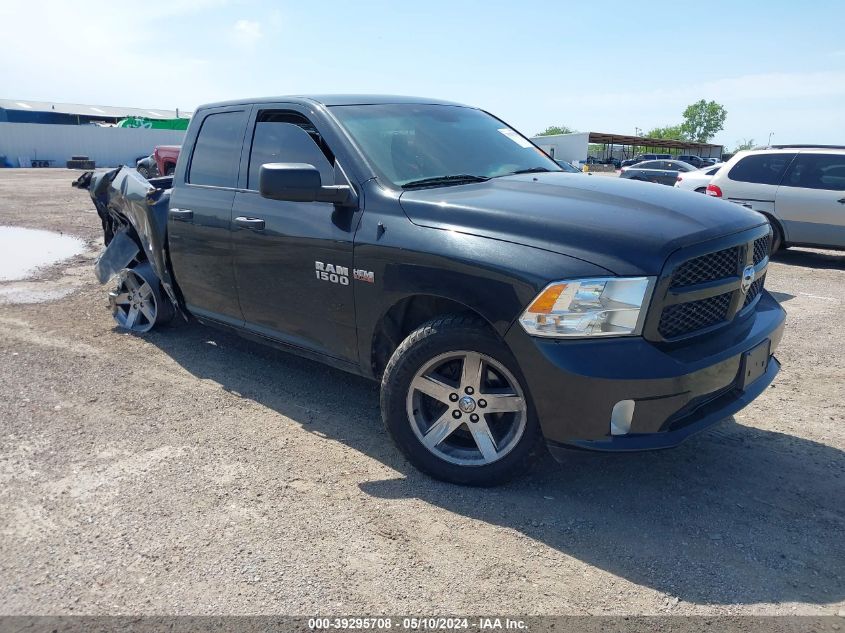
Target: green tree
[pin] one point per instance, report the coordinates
(747, 143)
(673, 132)
(703, 119)
(557, 129)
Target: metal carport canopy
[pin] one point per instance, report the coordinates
(642, 141)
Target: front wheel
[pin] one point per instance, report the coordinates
(454, 402)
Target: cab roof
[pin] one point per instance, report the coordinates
(334, 100)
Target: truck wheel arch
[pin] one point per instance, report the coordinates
(405, 316)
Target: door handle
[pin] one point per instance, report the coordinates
(841, 201)
(256, 224)
(182, 215)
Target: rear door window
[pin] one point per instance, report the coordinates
(650, 164)
(817, 171)
(217, 150)
(764, 169)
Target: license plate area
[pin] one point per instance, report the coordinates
(754, 363)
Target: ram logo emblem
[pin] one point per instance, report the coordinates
(747, 279)
(331, 273)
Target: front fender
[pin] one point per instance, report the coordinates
(493, 278)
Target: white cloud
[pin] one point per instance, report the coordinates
(246, 33)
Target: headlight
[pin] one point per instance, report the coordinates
(603, 306)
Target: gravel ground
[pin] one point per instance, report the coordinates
(190, 471)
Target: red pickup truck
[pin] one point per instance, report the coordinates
(165, 157)
(162, 162)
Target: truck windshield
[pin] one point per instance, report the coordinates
(414, 145)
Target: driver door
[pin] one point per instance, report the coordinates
(293, 260)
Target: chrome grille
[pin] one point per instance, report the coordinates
(682, 318)
(701, 290)
(761, 249)
(755, 289)
(719, 265)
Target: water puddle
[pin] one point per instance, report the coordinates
(24, 251)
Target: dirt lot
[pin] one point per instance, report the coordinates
(189, 471)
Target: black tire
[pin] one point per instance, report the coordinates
(169, 169)
(441, 337)
(701, 190)
(144, 172)
(777, 236)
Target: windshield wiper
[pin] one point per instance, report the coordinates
(530, 170)
(456, 179)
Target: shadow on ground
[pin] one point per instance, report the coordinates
(810, 258)
(735, 515)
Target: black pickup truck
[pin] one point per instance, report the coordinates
(501, 302)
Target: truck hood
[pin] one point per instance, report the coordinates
(629, 228)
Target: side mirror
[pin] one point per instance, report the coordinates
(298, 182)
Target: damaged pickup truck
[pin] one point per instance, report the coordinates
(502, 303)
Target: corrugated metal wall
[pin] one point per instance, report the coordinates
(108, 146)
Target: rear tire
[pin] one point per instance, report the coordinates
(169, 169)
(701, 190)
(438, 394)
(144, 172)
(138, 302)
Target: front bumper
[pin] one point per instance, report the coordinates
(678, 390)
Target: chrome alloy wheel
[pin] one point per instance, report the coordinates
(466, 408)
(133, 302)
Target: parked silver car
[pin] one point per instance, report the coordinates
(664, 172)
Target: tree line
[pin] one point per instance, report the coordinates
(702, 120)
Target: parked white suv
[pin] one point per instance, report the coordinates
(801, 189)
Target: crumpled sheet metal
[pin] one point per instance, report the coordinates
(125, 198)
(118, 255)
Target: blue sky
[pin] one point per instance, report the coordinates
(776, 66)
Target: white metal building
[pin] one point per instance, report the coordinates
(25, 111)
(54, 132)
(21, 143)
(568, 147)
